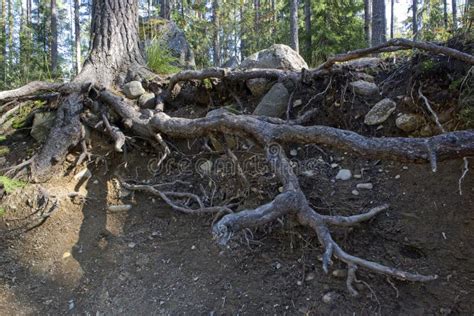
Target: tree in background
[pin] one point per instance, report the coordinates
(294, 42)
(368, 21)
(379, 22)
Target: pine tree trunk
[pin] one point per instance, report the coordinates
(165, 9)
(54, 37)
(216, 39)
(392, 3)
(294, 42)
(10, 33)
(415, 19)
(77, 37)
(379, 22)
(114, 53)
(368, 21)
(308, 35)
(455, 14)
(445, 13)
(3, 30)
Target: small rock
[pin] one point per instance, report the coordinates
(330, 297)
(280, 189)
(365, 186)
(364, 88)
(344, 174)
(357, 176)
(193, 247)
(274, 103)
(67, 254)
(426, 131)
(334, 165)
(71, 304)
(83, 174)
(147, 101)
(120, 208)
(299, 283)
(397, 176)
(133, 89)
(409, 122)
(258, 86)
(297, 103)
(293, 152)
(311, 276)
(405, 168)
(308, 173)
(355, 192)
(340, 273)
(380, 112)
(131, 245)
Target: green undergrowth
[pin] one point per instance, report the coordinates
(11, 185)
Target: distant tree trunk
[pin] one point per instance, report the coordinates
(455, 14)
(165, 9)
(3, 30)
(257, 22)
(368, 21)
(308, 31)
(415, 19)
(216, 39)
(77, 37)
(392, 19)
(379, 22)
(243, 41)
(445, 12)
(54, 37)
(10, 32)
(294, 41)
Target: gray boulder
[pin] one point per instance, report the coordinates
(42, 123)
(274, 103)
(133, 89)
(258, 86)
(409, 122)
(364, 88)
(278, 56)
(380, 112)
(169, 33)
(147, 101)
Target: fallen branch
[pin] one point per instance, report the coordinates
(29, 89)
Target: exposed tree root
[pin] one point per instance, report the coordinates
(292, 200)
(31, 88)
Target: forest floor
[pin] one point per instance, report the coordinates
(86, 259)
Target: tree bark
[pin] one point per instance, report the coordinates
(445, 13)
(368, 21)
(216, 39)
(415, 19)
(308, 31)
(165, 9)
(379, 22)
(392, 3)
(294, 41)
(3, 38)
(455, 14)
(114, 53)
(77, 37)
(54, 37)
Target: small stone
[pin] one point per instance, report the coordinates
(357, 176)
(206, 167)
(280, 189)
(293, 152)
(365, 186)
(96, 182)
(364, 88)
(409, 122)
(297, 103)
(344, 174)
(311, 276)
(380, 112)
(258, 86)
(83, 174)
(71, 304)
(355, 192)
(133, 89)
(308, 173)
(131, 245)
(330, 297)
(299, 283)
(397, 176)
(193, 247)
(278, 266)
(405, 168)
(67, 254)
(147, 101)
(334, 165)
(340, 273)
(120, 208)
